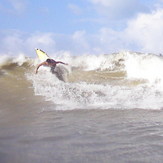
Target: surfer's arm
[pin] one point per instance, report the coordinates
(61, 63)
(41, 64)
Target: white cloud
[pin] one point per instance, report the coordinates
(79, 36)
(18, 5)
(15, 42)
(41, 39)
(104, 2)
(147, 31)
(143, 33)
(13, 6)
(75, 9)
(44, 10)
(118, 9)
(11, 43)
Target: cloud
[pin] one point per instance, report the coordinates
(79, 38)
(18, 5)
(118, 9)
(40, 40)
(44, 10)
(147, 31)
(13, 6)
(143, 33)
(75, 9)
(15, 42)
(11, 43)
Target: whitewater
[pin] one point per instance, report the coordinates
(118, 81)
(99, 108)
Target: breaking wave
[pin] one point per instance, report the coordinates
(115, 81)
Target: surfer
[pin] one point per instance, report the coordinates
(50, 63)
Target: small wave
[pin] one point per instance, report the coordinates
(7, 62)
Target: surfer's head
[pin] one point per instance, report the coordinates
(48, 60)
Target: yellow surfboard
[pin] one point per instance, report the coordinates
(42, 55)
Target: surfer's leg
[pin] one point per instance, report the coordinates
(52, 70)
(56, 73)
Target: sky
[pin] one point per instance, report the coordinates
(81, 26)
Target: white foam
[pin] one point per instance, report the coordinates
(83, 95)
(144, 66)
(91, 62)
(104, 96)
(20, 59)
(6, 60)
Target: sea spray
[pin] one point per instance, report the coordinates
(116, 81)
(144, 66)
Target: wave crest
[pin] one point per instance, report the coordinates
(116, 81)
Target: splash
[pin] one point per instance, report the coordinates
(144, 66)
(118, 81)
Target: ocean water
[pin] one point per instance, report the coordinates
(99, 108)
